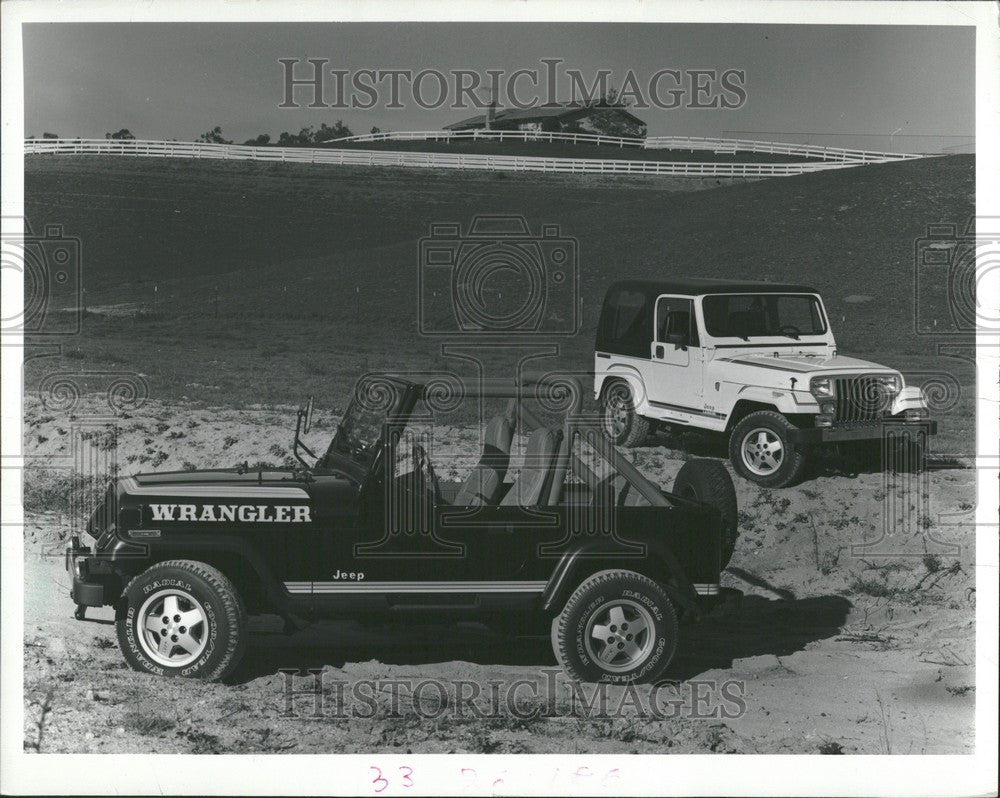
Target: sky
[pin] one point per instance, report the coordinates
(854, 86)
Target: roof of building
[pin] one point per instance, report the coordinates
(696, 286)
(548, 111)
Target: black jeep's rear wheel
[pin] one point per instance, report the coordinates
(182, 618)
(707, 481)
(618, 417)
(618, 626)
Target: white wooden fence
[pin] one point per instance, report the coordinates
(649, 143)
(432, 160)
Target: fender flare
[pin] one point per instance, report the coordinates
(576, 565)
(622, 371)
(781, 400)
(191, 544)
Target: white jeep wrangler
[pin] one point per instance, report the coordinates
(752, 359)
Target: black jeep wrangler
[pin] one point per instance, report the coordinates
(579, 544)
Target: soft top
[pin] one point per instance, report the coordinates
(696, 286)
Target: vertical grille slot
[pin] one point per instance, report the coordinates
(861, 399)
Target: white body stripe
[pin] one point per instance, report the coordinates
(440, 587)
(214, 491)
(415, 587)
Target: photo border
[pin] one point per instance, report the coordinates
(511, 774)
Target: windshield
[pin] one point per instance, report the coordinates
(760, 315)
(375, 402)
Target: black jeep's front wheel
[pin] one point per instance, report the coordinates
(761, 450)
(621, 423)
(618, 626)
(182, 618)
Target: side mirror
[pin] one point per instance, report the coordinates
(679, 340)
(307, 415)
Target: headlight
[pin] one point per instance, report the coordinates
(891, 382)
(821, 386)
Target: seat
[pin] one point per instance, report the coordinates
(529, 487)
(486, 480)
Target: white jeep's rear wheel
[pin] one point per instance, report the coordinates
(621, 424)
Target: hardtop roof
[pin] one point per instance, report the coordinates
(697, 286)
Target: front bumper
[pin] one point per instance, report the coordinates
(93, 577)
(862, 431)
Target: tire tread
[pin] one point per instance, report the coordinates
(232, 606)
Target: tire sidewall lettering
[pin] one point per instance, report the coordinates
(581, 608)
(645, 600)
(218, 634)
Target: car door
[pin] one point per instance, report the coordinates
(677, 362)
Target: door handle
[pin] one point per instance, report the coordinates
(659, 351)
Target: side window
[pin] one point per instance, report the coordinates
(676, 315)
(627, 314)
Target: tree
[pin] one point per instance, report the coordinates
(374, 130)
(301, 139)
(610, 122)
(307, 136)
(261, 141)
(123, 134)
(327, 133)
(213, 136)
(50, 135)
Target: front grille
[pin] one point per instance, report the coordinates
(861, 399)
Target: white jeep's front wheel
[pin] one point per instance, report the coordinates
(762, 450)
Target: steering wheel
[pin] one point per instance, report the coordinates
(795, 331)
(422, 464)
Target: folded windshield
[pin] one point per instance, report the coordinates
(760, 315)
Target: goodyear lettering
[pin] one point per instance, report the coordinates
(245, 513)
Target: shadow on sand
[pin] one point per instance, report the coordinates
(760, 626)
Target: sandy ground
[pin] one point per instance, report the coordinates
(833, 650)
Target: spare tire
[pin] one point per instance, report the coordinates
(708, 481)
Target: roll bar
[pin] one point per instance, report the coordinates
(568, 390)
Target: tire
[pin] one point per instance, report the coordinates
(707, 481)
(637, 599)
(209, 647)
(621, 424)
(772, 430)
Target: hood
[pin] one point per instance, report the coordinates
(223, 477)
(327, 493)
(799, 363)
